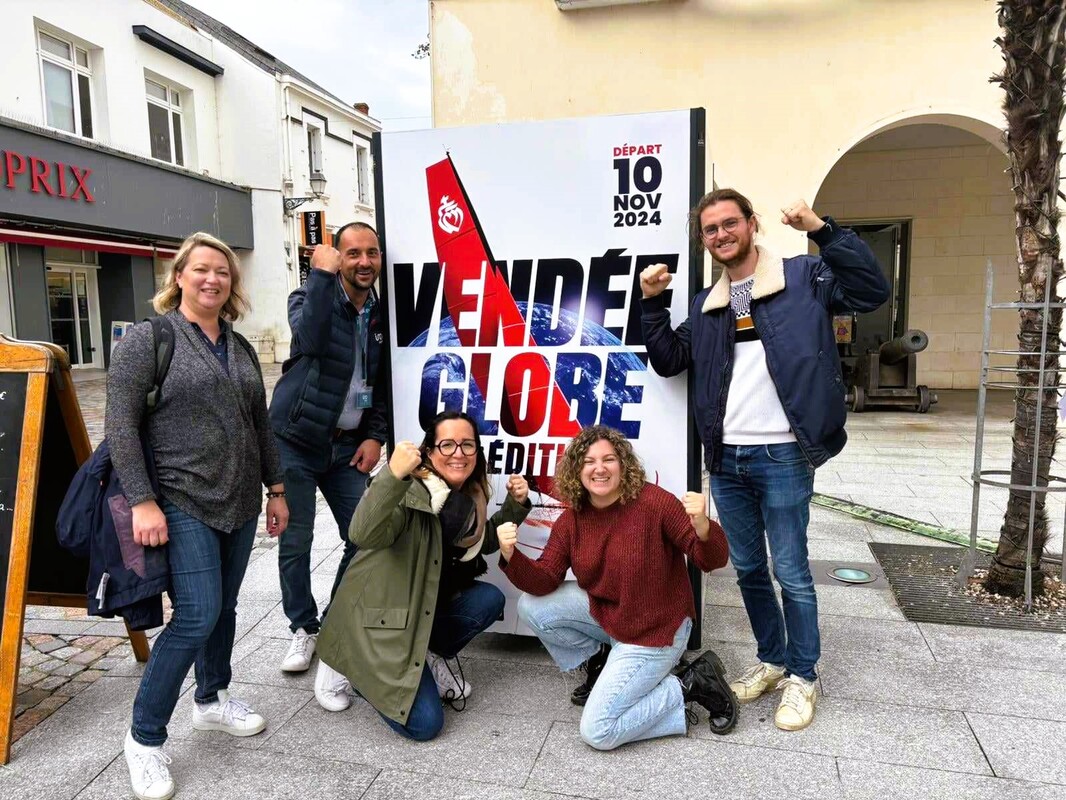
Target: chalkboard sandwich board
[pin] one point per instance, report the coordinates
(43, 441)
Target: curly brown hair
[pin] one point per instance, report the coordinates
(568, 472)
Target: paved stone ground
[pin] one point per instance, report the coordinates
(54, 669)
(907, 710)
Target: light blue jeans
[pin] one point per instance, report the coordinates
(635, 696)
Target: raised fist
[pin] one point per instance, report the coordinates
(654, 280)
(326, 258)
(800, 216)
(518, 488)
(696, 507)
(507, 534)
(695, 504)
(405, 457)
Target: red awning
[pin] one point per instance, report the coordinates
(18, 236)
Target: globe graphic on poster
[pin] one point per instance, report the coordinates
(592, 335)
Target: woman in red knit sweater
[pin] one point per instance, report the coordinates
(631, 608)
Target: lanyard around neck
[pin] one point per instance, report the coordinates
(362, 332)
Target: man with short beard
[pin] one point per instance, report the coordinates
(330, 415)
(769, 407)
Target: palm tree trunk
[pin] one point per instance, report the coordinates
(1034, 52)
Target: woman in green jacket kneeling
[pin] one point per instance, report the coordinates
(410, 601)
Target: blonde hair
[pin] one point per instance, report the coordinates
(169, 297)
(568, 472)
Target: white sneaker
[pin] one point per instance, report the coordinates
(450, 685)
(227, 714)
(796, 709)
(332, 690)
(301, 650)
(149, 776)
(756, 681)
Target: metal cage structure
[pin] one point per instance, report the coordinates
(1038, 484)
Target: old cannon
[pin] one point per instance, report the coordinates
(889, 377)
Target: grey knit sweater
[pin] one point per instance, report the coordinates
(210, 433)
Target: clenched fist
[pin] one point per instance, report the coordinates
(696, 507)
(518, 488)
(405, 457)
(507, 534)
(800, 216)
(326, 258)
(654, 280)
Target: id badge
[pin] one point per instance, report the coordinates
(364, 399)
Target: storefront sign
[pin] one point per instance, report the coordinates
(53, 178)
(313, 227)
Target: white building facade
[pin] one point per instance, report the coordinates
(121, 133)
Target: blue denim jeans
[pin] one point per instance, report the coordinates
(457, 622)
(206, 570)
(342, 485)
(763, 494)
(635, 696)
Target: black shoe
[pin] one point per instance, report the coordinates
(680, 667)
(592, 668)
(704, 683)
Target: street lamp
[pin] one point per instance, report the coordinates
(318, 188)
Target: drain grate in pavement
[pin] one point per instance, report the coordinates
(923, 581)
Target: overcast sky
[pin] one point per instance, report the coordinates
(360, 50)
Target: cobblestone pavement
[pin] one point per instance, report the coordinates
(54, 669)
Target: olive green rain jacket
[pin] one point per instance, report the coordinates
(377, 631)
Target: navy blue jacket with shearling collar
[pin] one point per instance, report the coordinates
(792, 304)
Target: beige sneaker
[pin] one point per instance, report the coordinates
(796, 709)
(757, 681)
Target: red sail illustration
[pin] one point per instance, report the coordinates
(464, 255)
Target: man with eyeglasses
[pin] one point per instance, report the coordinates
(329, 413)
(769, 407)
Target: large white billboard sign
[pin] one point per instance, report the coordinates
(512, 283)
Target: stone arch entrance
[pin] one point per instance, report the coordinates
(942, 178)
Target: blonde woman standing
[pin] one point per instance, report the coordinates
(214, 451)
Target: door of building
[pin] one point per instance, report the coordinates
(889, 241)
(73, 311)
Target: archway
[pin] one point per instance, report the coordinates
(941, 179)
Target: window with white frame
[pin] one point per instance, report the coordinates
(165, 129)
(314, 149)
(66, 83)
(362, 169)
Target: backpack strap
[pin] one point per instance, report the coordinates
(163, 335)
(249, 350)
